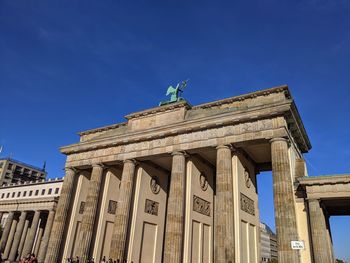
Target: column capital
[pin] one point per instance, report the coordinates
(130, 161)
(70, 169)
(179, 153)
(278, 139)
(227, 146)
(99, 165)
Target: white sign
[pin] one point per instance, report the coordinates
(297, 244)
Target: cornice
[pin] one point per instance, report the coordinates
(164, 108)
(264, 92)
(324, 179)
(241, 116)
(101, 129)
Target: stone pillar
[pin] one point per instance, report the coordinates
(224, 249)
(118, 243)
(329, 237)
(59, 224)
(46, 236)
(17, 237)
(38, 238)
(23, 238)
(28, 245)
(6, 231)
(10, 239)
(319, 233)
(174, 230)
(87, 224)
(285, 216)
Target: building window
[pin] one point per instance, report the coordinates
(9, 167)
(56, 190)
(13, 194)
(3, 195)
(50, 191)
(18, 194)
(8, 195)
(24, 193)
(36, 192)
(43, 192)
(30, 193)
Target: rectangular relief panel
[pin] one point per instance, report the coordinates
(107, 238)
(75, 239)
(244, 242)
(252, 244)
(196, 242)
(148, 243)
(206, 250)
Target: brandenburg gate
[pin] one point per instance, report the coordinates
(177, 183)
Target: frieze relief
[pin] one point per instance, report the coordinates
(82, 208)
(158, 143)
(112, 207)
(154, 185)
(151, 207)
(201, 206)
(247, 205)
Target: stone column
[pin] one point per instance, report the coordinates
(23, 238)
(285, 216)
(10, 239)
(319, 233)
(38, 239)
(173, 246)
(6, 231)
(28, 245)
(118, 243)
(224, 250)
(87, 224)
(46, 236)
(17, 237)
(329, 237)
(60, 218)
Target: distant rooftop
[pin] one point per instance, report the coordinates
(22, 163)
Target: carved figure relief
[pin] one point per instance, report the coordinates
(112, 207)
(151, 207)
(201, 206)
(203, 182)
(248, 181)
(247, 204)
(82, 208)
(154, 185)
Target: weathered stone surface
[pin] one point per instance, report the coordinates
(6, 231)
(173, 246)
(223, 220)
(89, 215)
(118, 244)
(17, 237)
(285, 217)
(46, 236)
(319, 233)
(28, 245)
(60, 218)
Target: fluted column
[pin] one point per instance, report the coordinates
(285, 217)
(10, 239)
(173, 246)
(23, 238)
(223, 220)
(17, 236)
(6, 231)
(118, 243)
(319, 233)
(28, 245)
(38, 238)
(87, 224)
(46, 236)
(61, 217)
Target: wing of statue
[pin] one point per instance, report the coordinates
(170, 90)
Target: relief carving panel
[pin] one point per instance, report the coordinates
(247, 205)
(201, 206)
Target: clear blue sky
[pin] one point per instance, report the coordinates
(67, 66)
